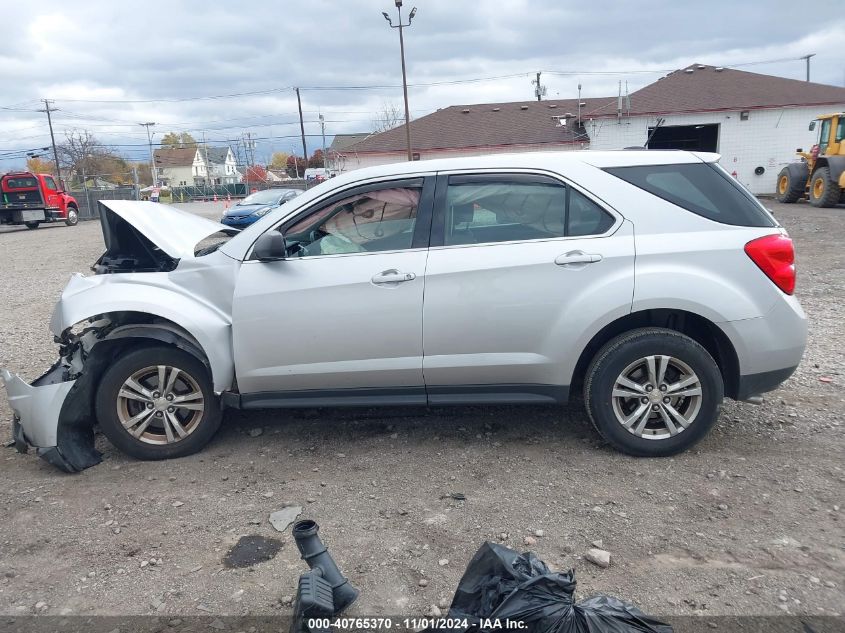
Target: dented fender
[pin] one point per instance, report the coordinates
(198, 311)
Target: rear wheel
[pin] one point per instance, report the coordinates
(791, 183)
(653, 392)
(72, 216)
(32, 225)
(158, 403)
(823, 191)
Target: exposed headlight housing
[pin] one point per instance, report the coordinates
(262, 212)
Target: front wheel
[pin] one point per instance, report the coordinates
(158, 403)
(824, 192)
(792, 181)
(653, 392)
(72, 218)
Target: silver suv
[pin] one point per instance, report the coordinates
(650, 282)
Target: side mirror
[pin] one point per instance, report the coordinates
(270, 247)
(812, 125)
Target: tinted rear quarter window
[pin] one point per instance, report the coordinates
(702, 188)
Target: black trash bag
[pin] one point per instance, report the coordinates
(501, 585)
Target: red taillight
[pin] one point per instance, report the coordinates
(775, 257)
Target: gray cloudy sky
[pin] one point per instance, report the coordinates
(109, 65)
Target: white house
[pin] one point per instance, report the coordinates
(756, 122)
(222, 166)
(179, 167)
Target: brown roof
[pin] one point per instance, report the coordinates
(707, 89)
(181, 157)
(486, 125)
(341, 141)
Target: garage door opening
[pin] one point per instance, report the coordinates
(696, 138)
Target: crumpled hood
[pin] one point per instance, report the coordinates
(174, 231)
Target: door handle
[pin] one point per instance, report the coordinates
(392, 276)
(577, 257)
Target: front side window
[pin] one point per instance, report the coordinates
(514, 210)
(50, 183)
(840, 130)
(380, 220)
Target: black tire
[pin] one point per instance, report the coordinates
(626, 349)
(791, 183)
(823, 191)
(32, 225)
(107, 403)
(72, 216)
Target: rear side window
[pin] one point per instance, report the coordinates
(702, 188)
(482, 209)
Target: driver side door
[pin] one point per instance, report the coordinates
(340, 318)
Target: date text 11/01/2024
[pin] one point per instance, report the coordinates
(411, 624)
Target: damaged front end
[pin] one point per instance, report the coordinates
(154, 282)
(54, 414)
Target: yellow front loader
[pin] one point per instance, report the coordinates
(820, 176)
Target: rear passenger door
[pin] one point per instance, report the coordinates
(521, 267)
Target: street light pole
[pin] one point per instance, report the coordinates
(401, 26)
(148, 125)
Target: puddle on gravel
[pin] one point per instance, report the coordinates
(251, 550)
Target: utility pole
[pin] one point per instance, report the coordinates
(301, 126)
(153, 170)
(807, 59)
(401, 26)
(323, 130)
(539, 88)
(46, 109)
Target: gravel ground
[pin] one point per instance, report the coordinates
(750, 522)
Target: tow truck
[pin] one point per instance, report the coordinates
(31, 199)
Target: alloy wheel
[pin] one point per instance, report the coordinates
(656, 397)
(160, 404)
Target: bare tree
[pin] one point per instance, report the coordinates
(86, 157)
(388, 116)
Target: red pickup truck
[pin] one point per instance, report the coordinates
(30, 199)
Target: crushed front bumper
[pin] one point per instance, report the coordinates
(46, 418)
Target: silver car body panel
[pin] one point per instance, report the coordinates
(340, 329)
(37, 407)
(505, 313)
(197, 296)
(174, 231)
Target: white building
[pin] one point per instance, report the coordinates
(222, 166)
(756, 122)
(179, 167)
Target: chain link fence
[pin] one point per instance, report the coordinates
(88, 198)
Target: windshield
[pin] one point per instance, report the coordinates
(269, 196)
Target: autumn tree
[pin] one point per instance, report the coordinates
(279, 160)
(296, 166)
(255, 173)
(38, 165)
(145, 177)
(388, 116)
(316, 159)
(177, 140)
